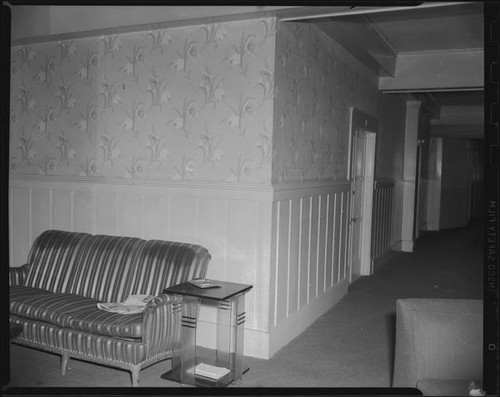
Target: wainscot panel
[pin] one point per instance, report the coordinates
(232, 222)
(383, 203)
(387, 221)
(309, 272)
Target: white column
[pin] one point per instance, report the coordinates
(409, 174)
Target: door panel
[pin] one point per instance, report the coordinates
(358, 194)
(362, 147)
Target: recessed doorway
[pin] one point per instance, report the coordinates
(361, 176)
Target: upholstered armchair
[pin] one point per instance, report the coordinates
(438, 345)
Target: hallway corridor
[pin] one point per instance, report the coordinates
(352, 345)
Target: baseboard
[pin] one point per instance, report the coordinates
(398, 246)
(432, 226)
(264, 344)
(407, 245)
(300, 320)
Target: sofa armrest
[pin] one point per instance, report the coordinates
(161, 322)
(17, 275)
(437, 339)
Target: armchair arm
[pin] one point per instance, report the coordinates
(161, 322)
(437, 339)
(17, 275)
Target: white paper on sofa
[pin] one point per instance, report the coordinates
(133, 304)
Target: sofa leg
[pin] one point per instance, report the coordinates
(64, 363)
(135, 377)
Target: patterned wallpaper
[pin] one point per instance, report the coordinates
(317, 81)
(190, 103)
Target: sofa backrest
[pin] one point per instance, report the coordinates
(103, 266)
(52, 259)
(161, 264)
(110, 268)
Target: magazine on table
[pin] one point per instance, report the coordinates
(203, 283)
(132, 305)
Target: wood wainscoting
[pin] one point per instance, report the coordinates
(387, 221)
(232, 221)
(309, 258)
(289, 241)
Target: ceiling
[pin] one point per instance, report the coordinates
(431, 29)
(446, 32)
(29, 22)
(459, 98)
(385, 39)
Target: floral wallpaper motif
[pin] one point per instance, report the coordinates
(317, 81)
(183, 103)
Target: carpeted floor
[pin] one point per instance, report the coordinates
(352, 345)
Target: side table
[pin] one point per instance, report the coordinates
(230, 299)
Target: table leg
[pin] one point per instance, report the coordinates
(239, 329)
(184, 356)
(230, 328)
(188, 348)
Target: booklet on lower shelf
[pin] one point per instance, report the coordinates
(210, 371)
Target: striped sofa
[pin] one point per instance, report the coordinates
(54, 297)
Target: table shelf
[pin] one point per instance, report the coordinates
(230, 298)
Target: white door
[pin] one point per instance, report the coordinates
(363, 159)
(357, 186)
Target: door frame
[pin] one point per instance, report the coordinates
(361, 121)
(418, 192)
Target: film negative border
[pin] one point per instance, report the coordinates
(491, 340)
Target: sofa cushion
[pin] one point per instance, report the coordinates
(52, 259)
(49, 307)
(102, 267)
(72, 311)
(102, 322)
(444, 387)
(161, 264)
(43, 335)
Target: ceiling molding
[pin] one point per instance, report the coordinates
(358, 37)
(430, 104)
(465, 131)
(48, 28)
(355, 10)
(389, 47)
(437, 71)
(463, 114)
(447, 51)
